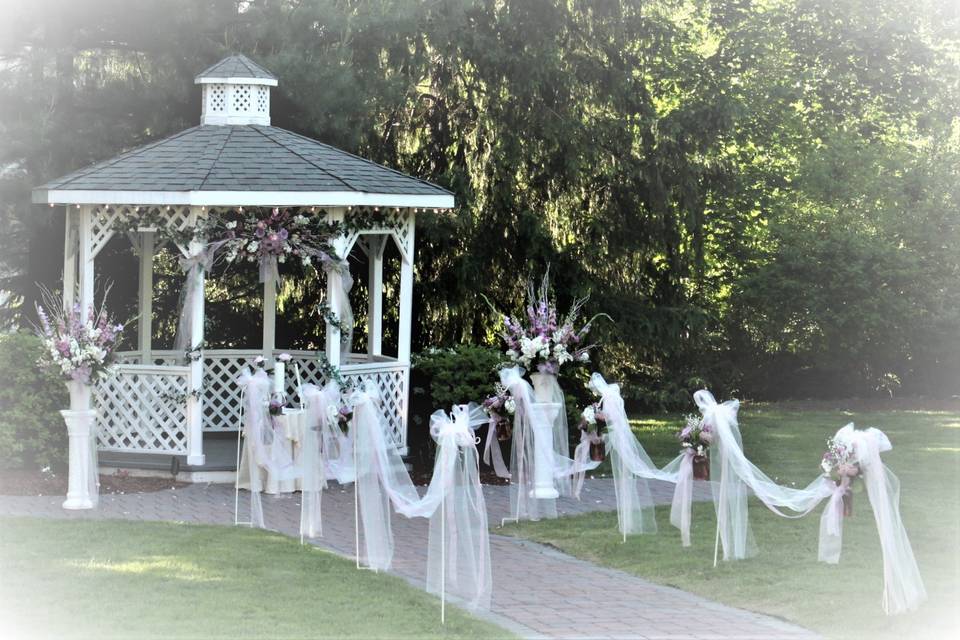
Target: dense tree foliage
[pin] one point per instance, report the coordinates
(764, 195)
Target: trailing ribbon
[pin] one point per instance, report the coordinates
(492, 454)
(831, 524)
(314, 454)
(683, 497)
(198, 259)
(338, 268)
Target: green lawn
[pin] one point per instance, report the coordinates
(785, 579)
(157, 580)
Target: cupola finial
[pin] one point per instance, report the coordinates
(236, 90)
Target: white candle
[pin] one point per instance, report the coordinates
(279, 381)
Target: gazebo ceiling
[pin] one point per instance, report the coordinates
(238, 162)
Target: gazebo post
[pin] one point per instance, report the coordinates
(85, 258)
(335, 290)
(406, 294)
(269, 317)
(376, 245)
(69, 259)
(145, 303)
(195, 455)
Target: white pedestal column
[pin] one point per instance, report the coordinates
(544, 414)
(82, 488)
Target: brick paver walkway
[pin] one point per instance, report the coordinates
(537, 591)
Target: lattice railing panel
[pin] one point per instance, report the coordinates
(143, 409)
(221, 394)
(393, 397)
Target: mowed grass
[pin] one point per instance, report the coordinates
(785, 579)
(115, 579)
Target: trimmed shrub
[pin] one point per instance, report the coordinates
(32, 433)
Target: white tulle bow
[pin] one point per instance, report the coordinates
(903, 588)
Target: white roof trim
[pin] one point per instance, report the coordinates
(270, 82)
(244, 198)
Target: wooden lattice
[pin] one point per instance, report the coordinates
(104, 217)
(221, 393)
(143, 409)
(391, 221)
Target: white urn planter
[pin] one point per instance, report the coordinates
(545, 414)
(80, 395)
(80, 420)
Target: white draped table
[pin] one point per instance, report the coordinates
(289, 430)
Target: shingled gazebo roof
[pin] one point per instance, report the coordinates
(240, 162)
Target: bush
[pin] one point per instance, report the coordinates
(32, 433)
(457, 375)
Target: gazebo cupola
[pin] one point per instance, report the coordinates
(236, 90)
(163, 402)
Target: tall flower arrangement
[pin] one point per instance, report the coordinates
(79, 347)
(543, 339)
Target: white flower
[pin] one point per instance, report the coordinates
(282, 258)
(512, 354)
(590, 415)
(561, 354)
(510, 405)
(306, 261)
(232, 224)
(533, 347)
(585, 356)
(253, 246)
(825, 466)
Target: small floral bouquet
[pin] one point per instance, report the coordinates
(341, 416)
(839, 463)
(543, 339)
(696, 437)
(277, 402)
(79, 348)
(254, 237)
(500, 407)
(593, 422)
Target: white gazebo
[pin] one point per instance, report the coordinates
(157, 402)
